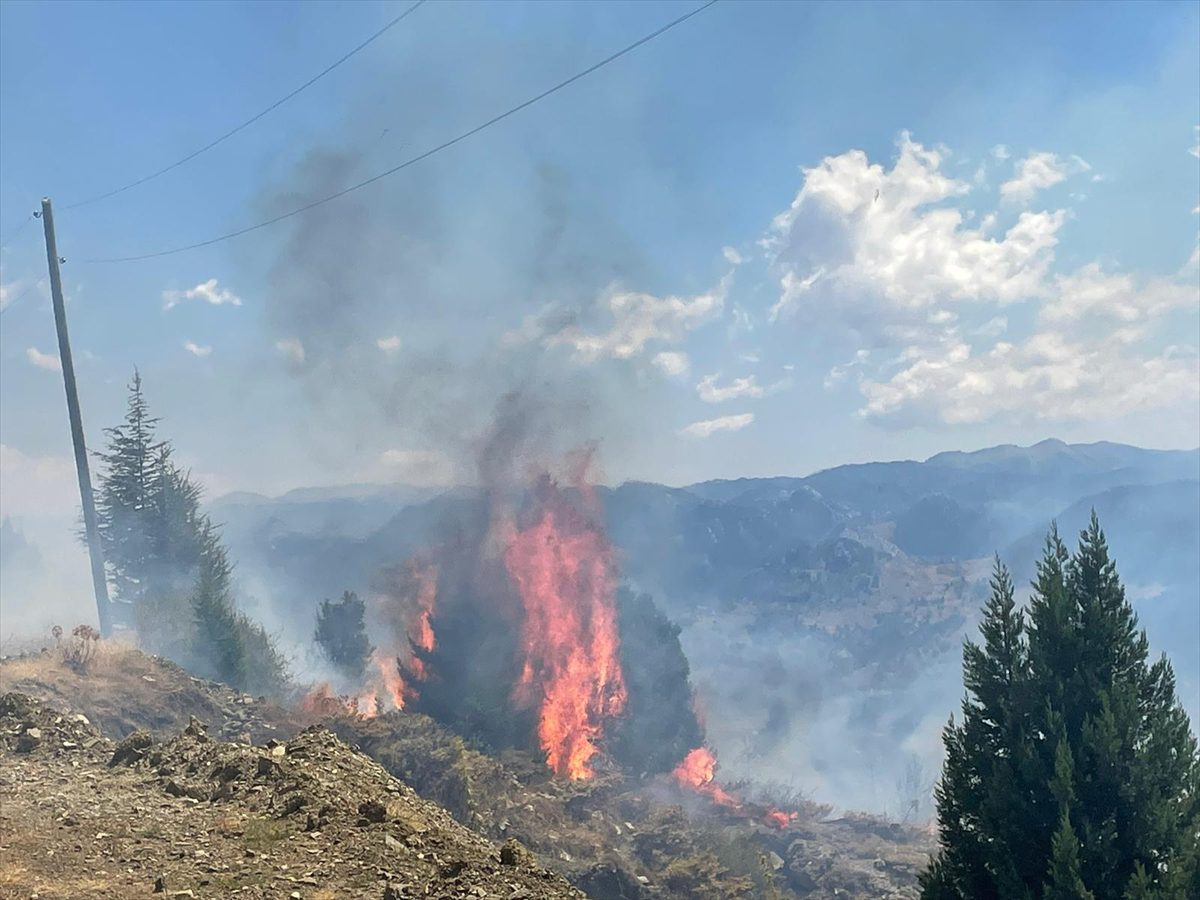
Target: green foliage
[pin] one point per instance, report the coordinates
(166, 561)
(341, 634)
(659, 726)
(1074, 773)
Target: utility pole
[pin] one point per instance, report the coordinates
(99, 581)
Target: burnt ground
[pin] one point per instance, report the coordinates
(616, 838)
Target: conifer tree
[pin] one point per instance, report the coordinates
(342, 635)
(167, 562)
(126, 505)
(1074, 773)
(218, 637)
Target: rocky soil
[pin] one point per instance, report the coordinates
(305, 819)
(218, 793)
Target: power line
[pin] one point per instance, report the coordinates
(252, 119)
(17, 299)
(421, 156)
(12, 235)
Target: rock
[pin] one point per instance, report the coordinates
(373, 811)
(196, 729)
(29, 741)
(160, 884)
(395, 892)
(514, 853)
(132, 749)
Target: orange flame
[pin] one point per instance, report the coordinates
(562, 568)
(697, 772)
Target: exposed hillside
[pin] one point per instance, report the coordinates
(616, 838)
(196, 817)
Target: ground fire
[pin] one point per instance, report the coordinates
(697, 772)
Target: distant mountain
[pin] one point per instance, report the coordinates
(818, 613)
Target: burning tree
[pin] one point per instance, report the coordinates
(513, 633)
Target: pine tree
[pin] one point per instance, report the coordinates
(166, 560)
(218, 638)
(342, 635)
(126, 507)
(1074, 773)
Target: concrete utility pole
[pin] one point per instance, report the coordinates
(99, 581)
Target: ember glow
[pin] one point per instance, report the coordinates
(562, 567)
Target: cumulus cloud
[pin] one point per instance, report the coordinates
(880, 247)
(1045, 377)
(291, 348)
(638, 320)
(388, 344)
(709, 427)
(47, 361)
(208, 291)
(889, 254)
(710, 392)
(1036, 172)
(1090, 291)
(732, 256)
(197, 349)
(671, 362)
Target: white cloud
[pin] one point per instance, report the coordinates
(208, 291)
(637, 320)
(671, 362)
(427, 468)
(47, 361)
(1000, 152)
(732, 256)
(879, 246)
(8, 293)
(1038, 171)
(1046, 377)
(197, 349)
(887, 255)
(388, 344)
(838, 374)
(711, 426)
(710, 392)
(1195, 150)
(793, 289)
(292, 349)
(1090, 291)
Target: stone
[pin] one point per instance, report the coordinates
(132, 749)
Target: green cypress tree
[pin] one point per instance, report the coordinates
(1075, 773)
(218, 645)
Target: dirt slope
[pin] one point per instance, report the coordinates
(196, 817)
(616, 838)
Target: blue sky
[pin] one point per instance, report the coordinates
(778, 238)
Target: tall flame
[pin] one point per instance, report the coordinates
(562, 568)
